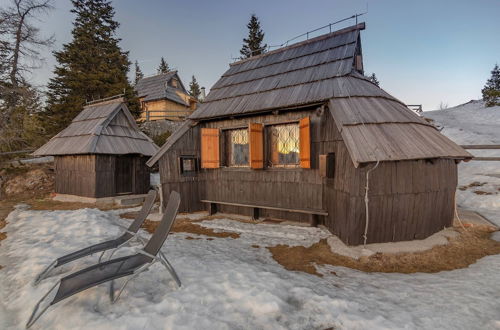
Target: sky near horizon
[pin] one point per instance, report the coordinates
(423, 52)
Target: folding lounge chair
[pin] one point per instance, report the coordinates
(130, 233)
(110, 270)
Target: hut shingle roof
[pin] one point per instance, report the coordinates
(156, 88)
(375, 125)
(299, 74)
(100, 129)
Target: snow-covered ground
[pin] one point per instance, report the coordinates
(472, 123)
(228, 284)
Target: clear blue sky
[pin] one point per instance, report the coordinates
(422, 51)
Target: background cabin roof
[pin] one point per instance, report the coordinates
(157, 88)
(100, 129)
(375, 126)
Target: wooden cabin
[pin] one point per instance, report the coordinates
(164, 97)
(299, 133)
(102, 153)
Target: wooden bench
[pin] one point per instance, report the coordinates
(212, 209)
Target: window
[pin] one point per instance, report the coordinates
(188, 164)
(284, 145)
(327, 165)
(174, 83)
(237, 147)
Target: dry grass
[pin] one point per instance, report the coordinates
(482, 192)
(189, 226)
(466, 249)
(186, 225)
(48, 204)
(472, 185)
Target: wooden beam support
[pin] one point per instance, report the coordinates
(256, 213)
(212, 208)
(314, 220)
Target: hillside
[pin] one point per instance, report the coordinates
(478, 181)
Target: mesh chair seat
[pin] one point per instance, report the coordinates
(99, 247)
(99, 273)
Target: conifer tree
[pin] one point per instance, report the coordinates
(163, 67)
(138, 72)
(194, 88)
(90, 67)
(252, 45)
(491, 91)
(373, 79)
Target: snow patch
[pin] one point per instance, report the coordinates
(227, 284)
(473, 123)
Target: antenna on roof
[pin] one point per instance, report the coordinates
(306, 34)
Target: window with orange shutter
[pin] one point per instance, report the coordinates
(210, 148)
(256, 132)
(305, 142)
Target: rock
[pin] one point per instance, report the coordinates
(495, 236)
(338, 247)
(32, 180)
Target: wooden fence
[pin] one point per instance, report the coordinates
(483, 147)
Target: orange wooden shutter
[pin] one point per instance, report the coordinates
(305, 142)
(209, 148)
(256, 145)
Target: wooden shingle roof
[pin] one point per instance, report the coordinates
(157, 88)
(299, 74)
(375, 126)
(100, 129)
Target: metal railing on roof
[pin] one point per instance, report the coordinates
(306, 34)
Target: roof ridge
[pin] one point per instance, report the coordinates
(159, 74)
(360, 26)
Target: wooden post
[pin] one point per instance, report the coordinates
(212, 208)
(160, 190)
(256, 212)
(314, 220)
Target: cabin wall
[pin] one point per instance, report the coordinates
(408, 199)
(95, 176)
(180, 111)
(172, 180)
(293, 188)
(75, 175)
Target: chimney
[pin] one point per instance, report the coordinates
(202, 95)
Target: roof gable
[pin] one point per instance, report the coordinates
(157, 87)
(100, 129)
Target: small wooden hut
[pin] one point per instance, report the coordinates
(102, 153)
(299, 133)
(164, 96)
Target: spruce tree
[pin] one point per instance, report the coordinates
(194, 88)
(138, 73)
(373, 79)
(163, 67)
(252, 45)
(90, 67)
(491, 91)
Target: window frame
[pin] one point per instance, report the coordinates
(226, 145)
(184, 172)
(268, 146)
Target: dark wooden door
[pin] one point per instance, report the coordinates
(124, 175)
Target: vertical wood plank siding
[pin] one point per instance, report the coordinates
(94, 175)
(408, 199)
